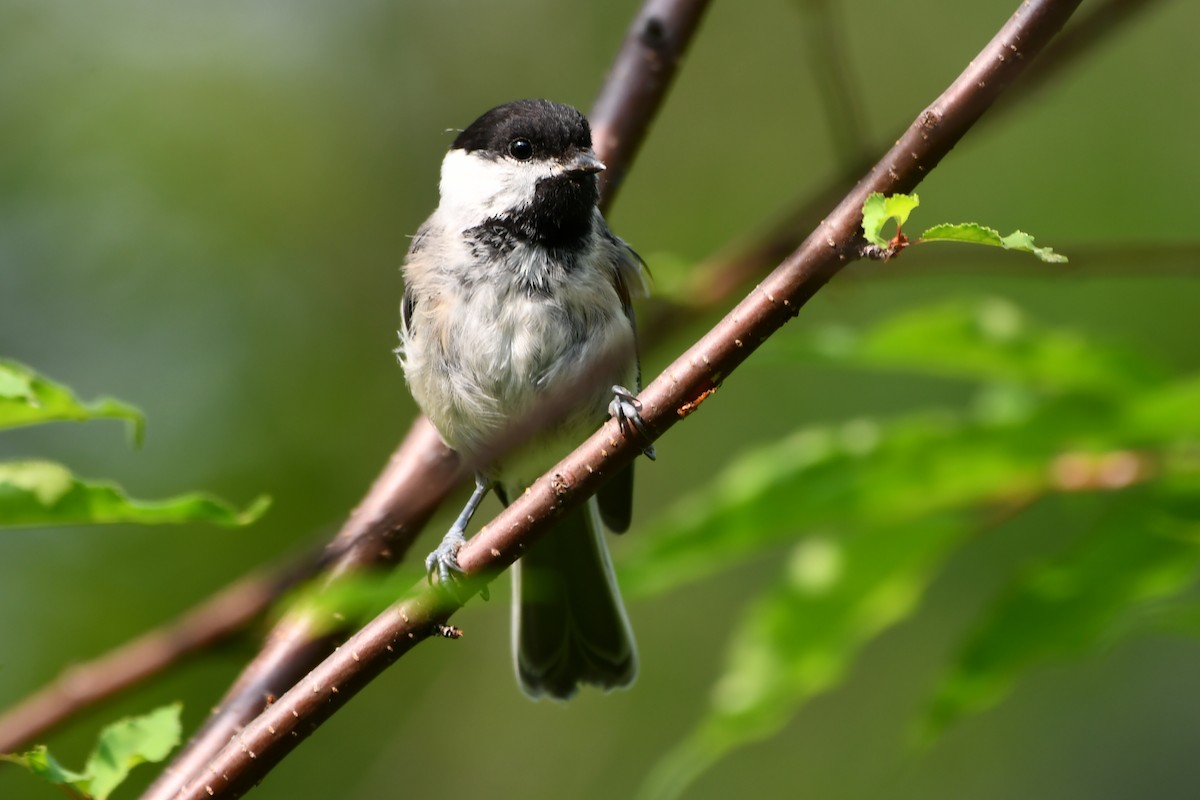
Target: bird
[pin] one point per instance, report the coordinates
(518, 298)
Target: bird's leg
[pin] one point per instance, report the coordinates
(444, 559)
(626, 409)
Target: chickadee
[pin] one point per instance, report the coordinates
(517, 294)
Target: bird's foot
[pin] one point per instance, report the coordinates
(626, 409)
(444, 559)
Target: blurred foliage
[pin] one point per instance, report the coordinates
(878, 505)
(120, 747)
(46, 493)
(204, 207)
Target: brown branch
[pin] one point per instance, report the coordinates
(676, 393)
(636, 85)
(722, 276)
(219, 617)
(419, 473)
(422, 472)
(1101, 21)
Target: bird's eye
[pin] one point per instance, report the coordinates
(520, 149)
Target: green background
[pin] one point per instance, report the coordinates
(203, 210)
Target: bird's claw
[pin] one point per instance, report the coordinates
(444, 559)
(626, 409)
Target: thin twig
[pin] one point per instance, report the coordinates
(841, 95)
(676, 393)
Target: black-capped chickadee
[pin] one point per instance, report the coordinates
(517, 294)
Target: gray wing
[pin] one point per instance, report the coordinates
(409, 303)
(616, 497)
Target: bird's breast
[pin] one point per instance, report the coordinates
(493, 350)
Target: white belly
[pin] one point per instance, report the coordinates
(483, 359)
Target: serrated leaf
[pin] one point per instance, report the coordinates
(985, 340)
(46, 493)
(1086, 599)
(799, 638)
(27, 398)
(120, 747)
(974, 233)
(129, 742)
(877, 210)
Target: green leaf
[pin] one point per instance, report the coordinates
(988, 340)
(27, 398)
(877, 210)
(870, 473)
(120, 747)
(1089, 597)
(866, 473)
(974, 233)
(862, 474)
(801, 636)
(126, 743)
(46, 493)
(45, 766)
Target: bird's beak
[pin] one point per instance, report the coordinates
(584, 161)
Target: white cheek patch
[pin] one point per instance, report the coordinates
(474, 188)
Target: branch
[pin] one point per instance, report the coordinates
(637, 84)
(422, 471)
(218, 618)
(670, 397)
(419, 473)
(718, 278)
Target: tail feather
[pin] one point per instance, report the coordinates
(569, 624)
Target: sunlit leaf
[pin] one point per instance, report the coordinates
(800, 637)
(27, 398)
(1084, 600)
(974, 233)
(46, 493)
(990, 340)
(126, 743)
(120, 747)
(878, 209)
